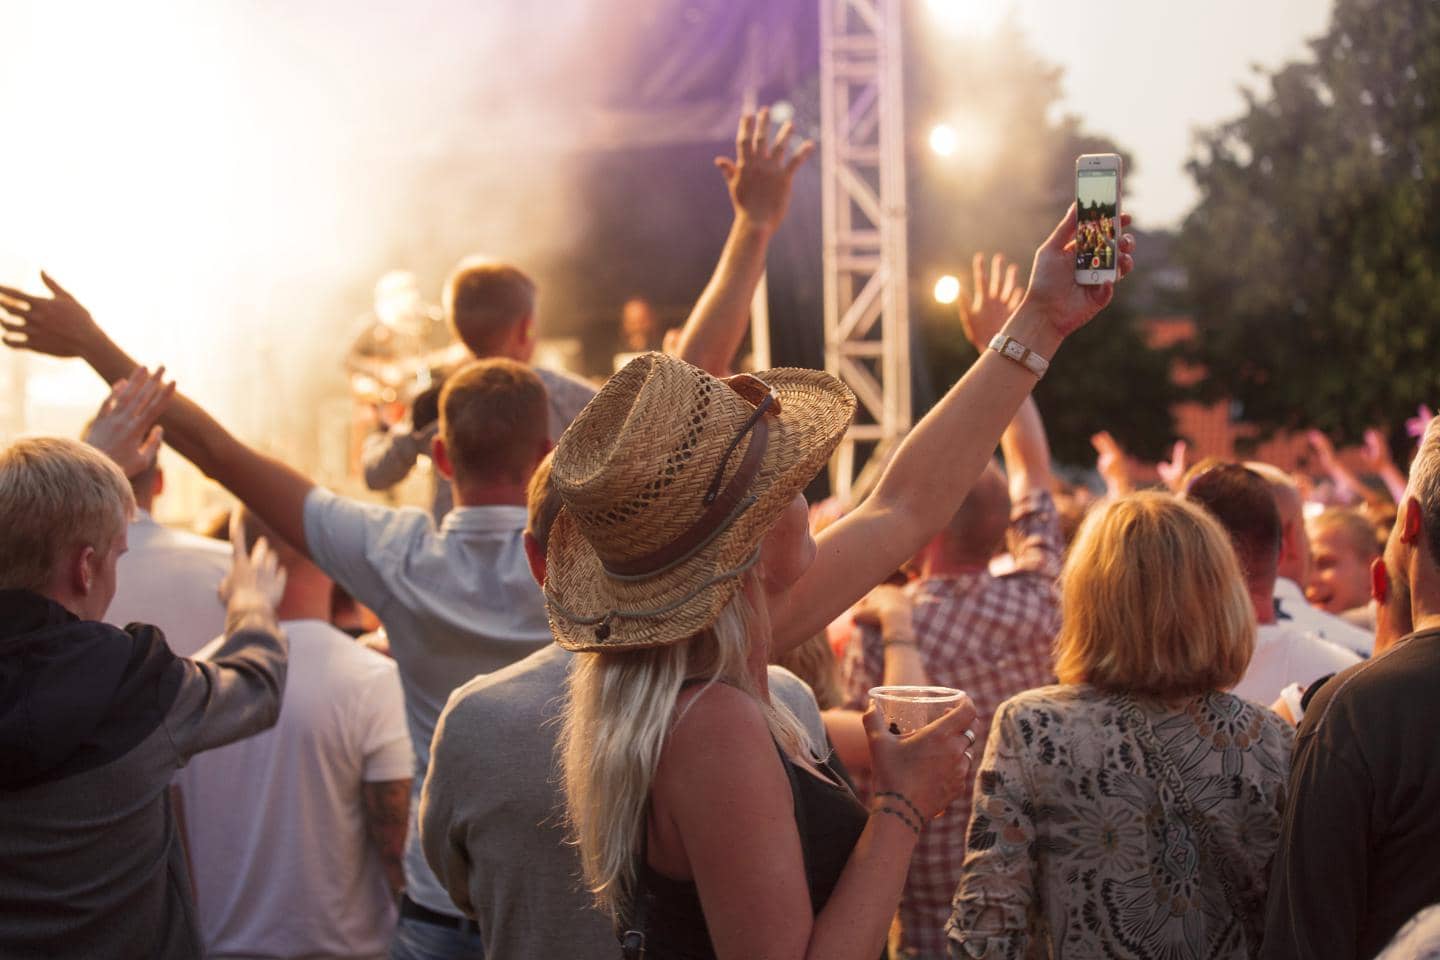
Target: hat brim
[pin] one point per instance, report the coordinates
(815, 411)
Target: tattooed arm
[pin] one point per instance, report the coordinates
(387, 811)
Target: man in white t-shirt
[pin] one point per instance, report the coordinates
(1284, 654)
(169, 578)
(297, 834)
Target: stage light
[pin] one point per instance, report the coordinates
(947, 289)
(944, 140)
(782, 110)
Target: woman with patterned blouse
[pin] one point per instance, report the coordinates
(1131, 811)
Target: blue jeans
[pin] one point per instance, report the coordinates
(418, 940)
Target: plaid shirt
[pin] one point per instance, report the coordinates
(991, 637)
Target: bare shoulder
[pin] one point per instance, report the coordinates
(717, 715)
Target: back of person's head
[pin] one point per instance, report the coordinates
(1424, 487)
(977, 530)
(1153, 601)
(486, 302)
(494, 419)
(1245, 506)
(542, 502)
(56, 495)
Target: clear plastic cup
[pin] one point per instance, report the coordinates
(907, 709)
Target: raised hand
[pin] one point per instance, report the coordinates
(760, 176)
(1377, 451)
(256, 581)
(1324, 449)
(58, 325)
(1110, 463)
(125, 428)
(1172, 472)
(1415, 426)
(986, 305)
(1068, 305)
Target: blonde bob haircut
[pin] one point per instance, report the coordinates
(1153, 601)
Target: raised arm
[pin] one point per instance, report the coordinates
(759, 180)
(60, 326)
(937, 464)
(1378, 459)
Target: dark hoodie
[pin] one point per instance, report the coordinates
(94, 721)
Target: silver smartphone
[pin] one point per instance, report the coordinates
(1097, 213)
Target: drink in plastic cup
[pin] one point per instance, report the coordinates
(907, 709)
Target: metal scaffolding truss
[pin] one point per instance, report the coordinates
(862, 169)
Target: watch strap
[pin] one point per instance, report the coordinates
(1012, 349)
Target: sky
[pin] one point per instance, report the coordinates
(1172, 67)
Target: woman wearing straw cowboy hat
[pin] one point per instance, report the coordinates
(706, 822)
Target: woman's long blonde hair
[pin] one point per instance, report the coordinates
(622, 706)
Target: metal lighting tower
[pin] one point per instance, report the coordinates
(862, 171)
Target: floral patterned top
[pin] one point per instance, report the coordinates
(1077, 847)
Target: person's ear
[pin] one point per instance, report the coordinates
(535, 554)
(1412, 522)
(1379, 581)
(83, 566)
(441, 456)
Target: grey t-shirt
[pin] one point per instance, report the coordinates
(491, 815)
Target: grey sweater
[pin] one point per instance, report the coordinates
(94, 721)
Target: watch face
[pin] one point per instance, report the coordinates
(1014, 350)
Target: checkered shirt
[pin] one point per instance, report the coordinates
(991, 637)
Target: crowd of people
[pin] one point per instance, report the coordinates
(1194, 713)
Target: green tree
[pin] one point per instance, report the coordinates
(1314, 252)
(1002, 191)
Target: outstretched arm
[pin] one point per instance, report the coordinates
(937, 464)
(1027, 451)
(759, 179)
(60, 325)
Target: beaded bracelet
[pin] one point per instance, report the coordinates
(896, 812)
(905, 800)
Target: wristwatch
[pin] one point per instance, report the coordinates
(1013, 349)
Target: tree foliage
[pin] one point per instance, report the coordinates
(1314, 252)
(1004, 192)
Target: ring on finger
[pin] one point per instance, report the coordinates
(969, 735)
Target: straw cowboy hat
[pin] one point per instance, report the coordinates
(669, 479)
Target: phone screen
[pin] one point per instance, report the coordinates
(1097, 193)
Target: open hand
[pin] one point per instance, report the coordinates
(1172, 472)
(1110, 463)
(59, 325)
(125, 428)
(1053, 291)
(760, 177)
(1377, 451)
(990, 301)
(1324, 449)
(256, 579)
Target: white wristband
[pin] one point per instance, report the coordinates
(1013, 349)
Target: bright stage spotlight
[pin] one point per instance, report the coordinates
(944, 139)
(947, 289)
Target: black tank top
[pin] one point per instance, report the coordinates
(830, 820)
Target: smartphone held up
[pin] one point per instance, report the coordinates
(1097, 212)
